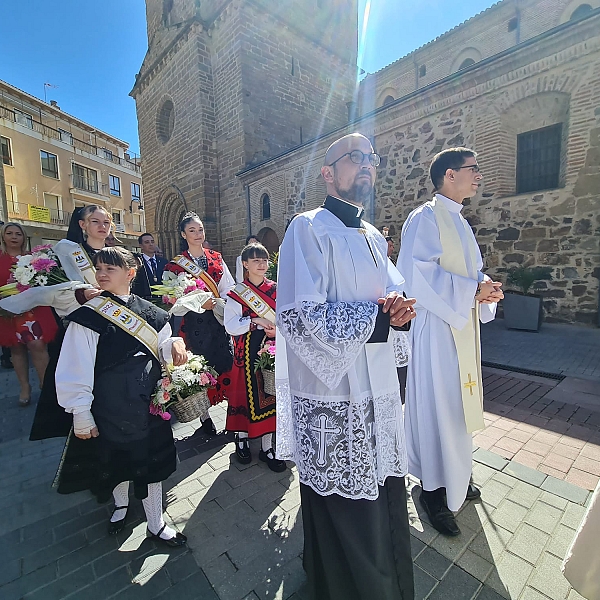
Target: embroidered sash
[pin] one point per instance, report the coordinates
(255, 300)
(193, 269)
(467, 340)
(127, 320)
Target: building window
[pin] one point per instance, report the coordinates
(422, 71)
(115, 185)
(137, 222)
(388, 100)
(11, 199)
(24, 119)
(117, 217)
(135, 192)
(108, 155)
(466, 63)
(65, 136)
(85, 179)
(6, 150)
(513, 23)
(538, 159)
(265, 203)
(49, 164)
(165, 122)
(581, 11)
(54, 203)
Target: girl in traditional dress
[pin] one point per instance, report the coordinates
(105, 378)
(30, 331)
(203, 333)
(250, 411)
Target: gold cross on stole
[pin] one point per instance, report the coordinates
(470, 384)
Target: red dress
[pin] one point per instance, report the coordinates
(204, 335)
(249, 409)
(36, 324)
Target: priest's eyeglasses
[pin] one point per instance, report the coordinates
(475, 168)
(358, 157)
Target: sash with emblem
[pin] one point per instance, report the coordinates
(126, 320)
(467, 340)
(255, 300)
(193, 269)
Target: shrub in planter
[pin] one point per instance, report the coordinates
(521, 309)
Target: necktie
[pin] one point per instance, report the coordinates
(153, 267)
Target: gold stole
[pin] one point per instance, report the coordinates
(193, 269)
(467, 339)
(255, 302)
(127, 320)
(84, 264)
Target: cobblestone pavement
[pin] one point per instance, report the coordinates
(556, 348)
(245, 528)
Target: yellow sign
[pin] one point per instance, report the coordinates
(38, 213)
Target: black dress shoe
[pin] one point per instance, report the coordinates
(473, 493)
(178, 540)
(242, 450)
(273, 463)
(208, 427)
(115, 527)
(441, 516)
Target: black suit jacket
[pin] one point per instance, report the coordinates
(145, 278)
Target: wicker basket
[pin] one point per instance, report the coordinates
(268, 381)
(190, 408)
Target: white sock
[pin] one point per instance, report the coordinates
(242, 435)
(154, 512)
(121, 498)
(267, 442)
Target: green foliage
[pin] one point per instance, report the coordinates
(525, 277)
(272, 271)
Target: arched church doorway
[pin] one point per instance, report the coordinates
(169, 212)
(268, 238)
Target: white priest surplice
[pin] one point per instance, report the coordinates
(438, 443)
(339, 414)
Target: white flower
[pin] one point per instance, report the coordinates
(41, 280)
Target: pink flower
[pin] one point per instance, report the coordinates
(166, 396)
(165, 299)
(22, 287)
(204, 380)
(211, 379)
(42, 264)
(41, 248)
(166, 416)
(189, 288)
(271, 350)
(172, 301)
(164, 383)
(200, 284)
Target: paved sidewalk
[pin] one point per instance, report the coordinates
(245, 528)
(565, 349)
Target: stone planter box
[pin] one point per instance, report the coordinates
(522, 311)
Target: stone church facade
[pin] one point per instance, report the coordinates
(519, 83)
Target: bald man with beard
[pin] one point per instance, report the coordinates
(339, 413)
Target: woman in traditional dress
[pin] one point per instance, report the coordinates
(105, 377)
(250, 411)
(203, 333)
(29, 332)
(89, 227)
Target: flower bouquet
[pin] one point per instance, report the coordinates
(40, 268)
(266, 363)
(184, 390)
(175, 286)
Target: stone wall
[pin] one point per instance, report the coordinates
(555, 79)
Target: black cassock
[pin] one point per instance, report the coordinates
(362, 549)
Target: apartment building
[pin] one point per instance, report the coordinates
(54, 162)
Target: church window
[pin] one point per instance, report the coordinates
(165, 121)
(265, 204)
(422, 71)
(466, 63)
(513, 23)
(581, 11)
(167, 8)
(388, 100)
(538, 159)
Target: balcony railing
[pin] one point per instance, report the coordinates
(55, 134)
(39, 214)
(89, 185)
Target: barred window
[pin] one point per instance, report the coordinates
(6, 150)
(49, 164)
(538, 159)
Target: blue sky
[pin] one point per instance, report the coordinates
(92, 49)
